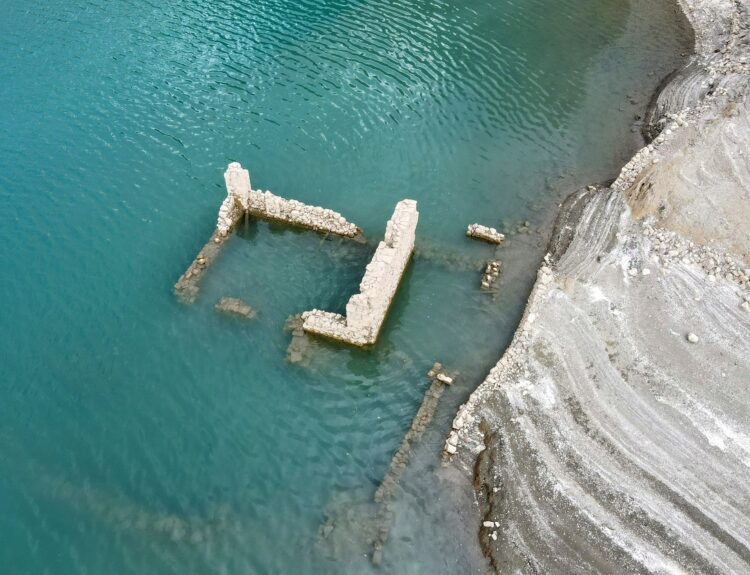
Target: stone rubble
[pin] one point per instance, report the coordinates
(490, 275)
(481, 232)
(667, 247)
(366, 311)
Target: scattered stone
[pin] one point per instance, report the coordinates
(481, 232)
(491, 274)
(488, 524)
(235, 306)
(692, 338)
(745, 306)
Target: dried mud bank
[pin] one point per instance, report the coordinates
(613, 436)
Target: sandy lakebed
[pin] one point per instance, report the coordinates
(613, 436)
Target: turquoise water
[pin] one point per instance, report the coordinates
(140, 435)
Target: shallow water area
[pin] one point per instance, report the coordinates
(141, 435)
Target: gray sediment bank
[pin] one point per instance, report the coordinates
(607, 439)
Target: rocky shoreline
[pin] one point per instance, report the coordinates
(613, 434)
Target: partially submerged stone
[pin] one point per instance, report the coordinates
(242, 200)
(366, 311)
(186, 287)
(481, 232)
(385, 491)
(490, 275)
(235, 306)
(266, 205)
(299, 344)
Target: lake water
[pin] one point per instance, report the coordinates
(139, 435)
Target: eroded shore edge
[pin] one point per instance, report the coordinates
(632, 271)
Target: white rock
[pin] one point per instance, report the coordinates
(692, 338)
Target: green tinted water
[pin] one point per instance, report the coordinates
(139, 435)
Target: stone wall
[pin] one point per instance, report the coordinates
(241, 196)
(242, 199)
(366, 311)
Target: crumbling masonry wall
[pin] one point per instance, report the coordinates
(366, 311)
(241, 200)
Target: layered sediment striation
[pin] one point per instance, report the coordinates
(613, 435)
(366, 311)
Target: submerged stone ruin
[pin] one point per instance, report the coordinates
(491, 274)
(242, 201)
(236, 307)
(481, 232)
(386, 490)
(366, 310)
(241, 198)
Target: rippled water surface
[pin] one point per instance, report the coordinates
(140, 435)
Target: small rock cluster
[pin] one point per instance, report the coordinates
(462, 419)
(667, 246)
(490, 275)
(235, 306)
(437, 373)
(493, 526)
(481, 232)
